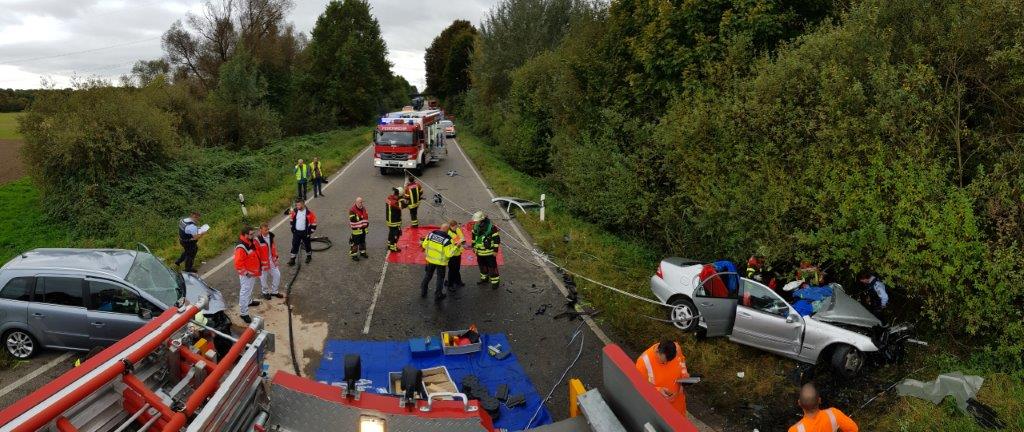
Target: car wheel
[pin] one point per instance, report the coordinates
(683, 314)
(20, 344)
(384, 171)
(847, 361)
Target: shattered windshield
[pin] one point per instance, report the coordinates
(152, 276)
(394, 138)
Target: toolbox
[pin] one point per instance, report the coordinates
(463, 349)
(423, 347)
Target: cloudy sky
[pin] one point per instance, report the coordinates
(59, 39)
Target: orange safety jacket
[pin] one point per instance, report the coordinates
(665, 376)
(826, 420)
(247, 258)
(268, 251)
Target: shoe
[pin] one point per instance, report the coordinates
(423, 294)
(309, 258)
(460, 285)
(291, 262)
(266, 296)
(247, 319)
(494, 286)
(438, 298)
(363, 254)
(355, 257)
(277, 295)
(481, 282)
(254, 303)
(452, 288)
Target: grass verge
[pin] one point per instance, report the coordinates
(764, 396)
(9, 126)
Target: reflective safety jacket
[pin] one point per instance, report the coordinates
(393, 211)
(316, 171)
(826, 420)
(358, 220)
(457, 239)
(183, 236)
(485, 238)
(664, 376)
(438, 248)
(301, 172)
(413, 193)
(267, 251)
(247, 258)
(310, 219)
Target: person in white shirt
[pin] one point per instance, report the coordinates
(188, 236)
(303, 223)
(270, 277)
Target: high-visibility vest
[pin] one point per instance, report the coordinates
(665, 376)
(393, 212)
(457, 238)
(317, 172)
(485, 238)
(438, 248)
(413, 192)
(827, 420)
(358, 220)
(301, 172)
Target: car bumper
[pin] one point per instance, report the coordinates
(394, 164)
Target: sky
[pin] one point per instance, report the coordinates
(60, 39)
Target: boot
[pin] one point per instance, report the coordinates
(355, 257)
(363, 253)
(309, 258)
(246, 319)
(483, 280)
(291, 262)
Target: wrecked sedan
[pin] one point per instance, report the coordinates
(840, 332)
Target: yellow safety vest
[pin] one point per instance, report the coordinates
(301, 172)
(457, 238)
(438, 248)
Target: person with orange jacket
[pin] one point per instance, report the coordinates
(303, 223)
(270, 266)
(663, 365)
(820, 420)
(247, 264)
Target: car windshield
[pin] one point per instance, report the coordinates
(152, 276)
(447, 123)
(394, 138)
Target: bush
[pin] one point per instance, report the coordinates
(236, 113)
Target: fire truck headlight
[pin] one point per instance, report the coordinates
(371, 424)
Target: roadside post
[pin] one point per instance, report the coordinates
(542, 197)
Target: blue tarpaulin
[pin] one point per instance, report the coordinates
(379, 358)
(731, 279)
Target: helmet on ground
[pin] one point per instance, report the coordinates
(478, 216)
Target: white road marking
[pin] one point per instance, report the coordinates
(515, 227)
(285, 218)
(376, 294)
(39, 371)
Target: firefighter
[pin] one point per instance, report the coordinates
(317, 174)
(358, 221)
(438, 250)
(247, 264)
(301, 178)
(413, 193)
(759, 270)
(270, 267)
(820, 420)
(393, 217)
(454, 280)
(303, 223)
(188, 236)
(486, 240)
(663, 364)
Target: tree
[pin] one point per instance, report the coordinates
(447, 60)
(145, 71)
(237, 114)
(348, 76)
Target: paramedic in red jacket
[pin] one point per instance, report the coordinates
(247, 264)
(270, 264)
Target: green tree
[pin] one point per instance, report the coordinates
(237, 114)
(447, 60)
(348, 75)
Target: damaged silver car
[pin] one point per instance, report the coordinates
(836, 330)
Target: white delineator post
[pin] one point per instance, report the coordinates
(542, 197)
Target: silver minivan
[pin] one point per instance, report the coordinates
(78, 299)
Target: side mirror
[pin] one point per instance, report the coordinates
(145, 314)
(792, 318)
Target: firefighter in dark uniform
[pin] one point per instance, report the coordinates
(486, 240)
(358, 221)
(393, 217)
(413, 193)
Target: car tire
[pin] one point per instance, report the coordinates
(683, 308)
(847, 361)
(20, 344)
(384, 171)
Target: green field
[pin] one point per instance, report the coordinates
(9, 126)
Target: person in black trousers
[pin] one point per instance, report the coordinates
(188, 236)
(303, 224)
(454, 280)
(317, 173)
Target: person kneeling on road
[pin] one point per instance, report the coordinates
(486, 241)
(303, 224)
(663, 364)
(270, 267)
(247, 264)
(817, 419)
(358, 221)
(438, 249)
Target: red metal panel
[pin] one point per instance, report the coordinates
(661, 406)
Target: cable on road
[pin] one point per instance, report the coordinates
(288, 305)
(575, 333)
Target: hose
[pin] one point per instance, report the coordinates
(288, 305)
(320, 244)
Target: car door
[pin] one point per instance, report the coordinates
(717, 313)
(764, 320)
(113, 311)
(15, 296)
(57, 312)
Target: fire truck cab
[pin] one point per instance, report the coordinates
(408, 140)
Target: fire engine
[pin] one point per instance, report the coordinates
(408, 140)
(167, 376)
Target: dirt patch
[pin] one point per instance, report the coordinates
(309, 335)
(11, 167)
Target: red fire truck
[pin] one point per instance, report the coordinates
(408, 140)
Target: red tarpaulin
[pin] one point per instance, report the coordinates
(412, 253)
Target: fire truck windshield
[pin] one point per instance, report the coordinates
(394, 138)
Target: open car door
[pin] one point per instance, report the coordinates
(718, 313)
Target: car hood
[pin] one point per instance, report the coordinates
(195, 287)
(845, 310)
